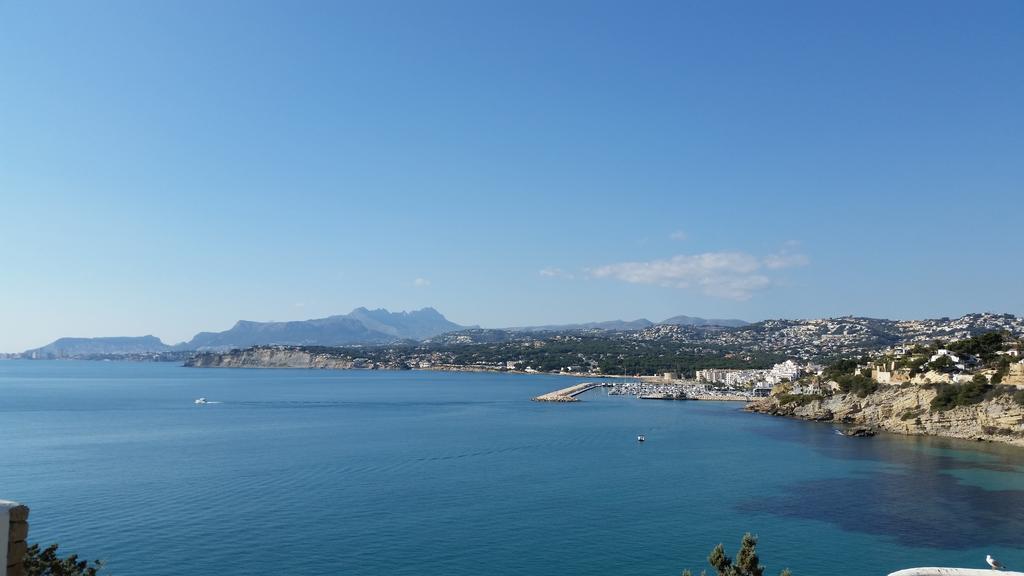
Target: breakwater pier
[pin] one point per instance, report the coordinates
(569, 394)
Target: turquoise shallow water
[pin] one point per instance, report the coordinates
(424, 473)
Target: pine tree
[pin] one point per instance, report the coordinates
(747, 562)
(721, 562)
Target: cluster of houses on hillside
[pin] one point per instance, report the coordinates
(895, 365)
(942, 366)
(761, 381)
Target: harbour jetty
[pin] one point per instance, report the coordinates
(569, 394)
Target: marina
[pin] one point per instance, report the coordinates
(676, 390)
(649, 390)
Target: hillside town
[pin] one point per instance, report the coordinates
(762, 355)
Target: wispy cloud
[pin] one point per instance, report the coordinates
(553, 272)
(732, 275)
(421, 282)
(788, 257)
(785, 260)
(678, 235)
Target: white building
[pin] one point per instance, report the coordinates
(788, 370)
(943, 352)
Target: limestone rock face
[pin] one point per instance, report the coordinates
(1015, 375)
(270, 358)
(907, 410)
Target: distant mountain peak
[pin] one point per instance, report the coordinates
(684, 320)
(361, 326)
(637, 324)
(72, 347)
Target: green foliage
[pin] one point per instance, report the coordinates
(746, 560)
(1018, 397)
(40, 562)
(746, 563)
(984, 346)
(1002, 367)
(942, 364)
(915, 363)
(953, 395)
(720, 561)
(839, 368)
(910, 415)
(857, 384)
(799, 399)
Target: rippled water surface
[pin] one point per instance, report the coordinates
(424, 473)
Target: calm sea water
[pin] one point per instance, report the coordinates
(424, 473)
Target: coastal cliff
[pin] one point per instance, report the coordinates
(906, 410)
(270, 358)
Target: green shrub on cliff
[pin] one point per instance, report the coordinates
(857, 384)
(45, 562)
(942, 364)
(911, 415)
(746, 563)
(984, 346)
(916, 364)
(839, 368)
(1018, 396)
(953, 395)
(799, 399)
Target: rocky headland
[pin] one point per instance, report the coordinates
(270, 357)
(906, 409)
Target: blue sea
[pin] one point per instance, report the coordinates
(428, 473)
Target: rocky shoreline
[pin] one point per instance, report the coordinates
(329, 359)
(905, 410)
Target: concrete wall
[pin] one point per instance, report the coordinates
(15, 534)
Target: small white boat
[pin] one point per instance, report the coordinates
(201, 400)
(641, 438)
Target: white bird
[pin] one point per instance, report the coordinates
(995, 564)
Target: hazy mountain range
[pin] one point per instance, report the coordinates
(638, 324)
(361, 326)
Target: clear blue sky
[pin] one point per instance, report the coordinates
(170, 167)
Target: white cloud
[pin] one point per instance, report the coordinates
(678, 235)
(553, 272)
(785, 259)
(732, 275)
(421, 282)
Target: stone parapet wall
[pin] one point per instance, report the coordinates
(17, 536)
